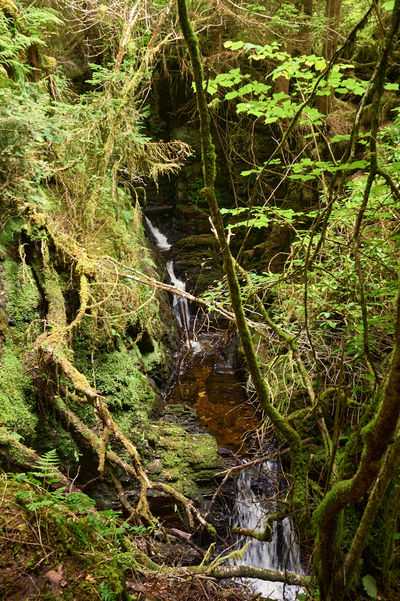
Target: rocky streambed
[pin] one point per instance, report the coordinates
(207, 397)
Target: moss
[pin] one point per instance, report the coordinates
(378, 553)
(187, 460)
(3, 322)
(11, 450)
(85, 543)
(52, 435)
(56, 315)
(22, 295)
(17, 399)
(119, 378)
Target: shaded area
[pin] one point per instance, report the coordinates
(210, 380)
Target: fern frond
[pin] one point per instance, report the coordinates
(46, 466)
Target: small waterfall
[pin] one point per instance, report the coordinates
(180, 305)
(159, 238)
(255, 489)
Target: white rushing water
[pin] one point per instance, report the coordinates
(159, 238)
(251, 509)
(180, 305)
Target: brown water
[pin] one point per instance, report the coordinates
(210, 382)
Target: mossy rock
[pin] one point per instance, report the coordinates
(201, 242)
(198, 261)
(22, 295)
(120, 378)
(187, 460)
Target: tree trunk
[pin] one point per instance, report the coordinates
(298, 464)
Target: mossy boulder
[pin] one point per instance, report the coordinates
(17, 400)
(22, 295)
(18, 311)
(187, 460)
(121, 381)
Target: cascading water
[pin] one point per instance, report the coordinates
(180, 305)
(159, 238)
(256, 487)
(256, 490)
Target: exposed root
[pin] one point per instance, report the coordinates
(142, 510)
(51, 348)
(121, 494)
(102, 450)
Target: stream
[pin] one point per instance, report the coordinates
(207, 379)
(256, 490)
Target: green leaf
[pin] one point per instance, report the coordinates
(369, 583)
(231, 95)
(388, 5)
(237, 45)
(340, 137)
(320, 64)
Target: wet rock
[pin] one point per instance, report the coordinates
(197, 261)
(177, 553)
(189, 459)
(154, 467)
(225, 452)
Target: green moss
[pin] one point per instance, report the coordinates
(22, 295)
(53, 436)
(187, 459)
(82, 540)
(16, 393)
(17, 397)
(119, 378)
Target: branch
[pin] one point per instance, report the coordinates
(260, 573)
(221, 572)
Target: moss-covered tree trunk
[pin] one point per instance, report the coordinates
(209, 173)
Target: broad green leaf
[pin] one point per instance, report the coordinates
(388, 5)
(320, 64)
(237, 45)
(369, 583)
(231, 95)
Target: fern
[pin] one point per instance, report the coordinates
(106, 592)
(46, 466)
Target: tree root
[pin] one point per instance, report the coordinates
(51, 350)
(95, 442)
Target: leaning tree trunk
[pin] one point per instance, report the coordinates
(209, 172)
